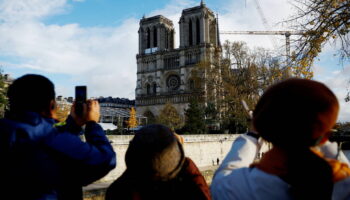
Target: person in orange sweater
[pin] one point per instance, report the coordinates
(156, 168)
(296, 116)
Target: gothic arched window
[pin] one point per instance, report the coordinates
(148, 89)
(198, 32)
(191, 84)
(190, 33)
(148, 38)
(154, 88)
(155, 37)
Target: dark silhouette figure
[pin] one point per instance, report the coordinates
(217, 161)
(158, 169)
(41, 160)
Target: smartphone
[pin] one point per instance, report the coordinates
(80, 99)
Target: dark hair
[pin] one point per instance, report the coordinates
(30, 92)
(154, 153)
(287, 115)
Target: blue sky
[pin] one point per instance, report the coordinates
(94, 42)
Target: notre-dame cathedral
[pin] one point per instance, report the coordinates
(163, 71)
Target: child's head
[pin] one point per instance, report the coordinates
(296, 112)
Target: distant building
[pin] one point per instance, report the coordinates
(117, 111)
(163, 71)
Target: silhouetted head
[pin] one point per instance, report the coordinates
(296, 113)
(31, 93)
(155, 153)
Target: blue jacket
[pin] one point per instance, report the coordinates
(40, 161)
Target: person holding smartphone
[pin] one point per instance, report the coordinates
(41, 160)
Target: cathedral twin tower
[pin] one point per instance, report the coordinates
(163, 71)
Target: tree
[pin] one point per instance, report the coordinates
(242, 74)
(210, 111)
(132, 122)
(195, 118)
(245, 74)
(62, 111)
(3, 93)
(321, 21)
(342, 127)
(170, 117)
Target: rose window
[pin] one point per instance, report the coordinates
(173, 82)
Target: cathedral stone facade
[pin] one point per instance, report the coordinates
(163, 71)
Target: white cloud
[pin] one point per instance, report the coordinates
(104, 57)
(24, 10)
(338, 82)
(245, 17)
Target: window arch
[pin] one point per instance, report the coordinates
(190, 33)
(151, 119)
(148, 86)
(167, 39)
(198, 33)
(155, 37)
(191, 84)
(148, 32)
(154, 88)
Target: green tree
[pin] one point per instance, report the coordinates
(195, 118)
(170, 117)
(3, 93)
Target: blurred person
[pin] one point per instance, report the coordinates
(41, 160)
(156, 168)
(296, 116)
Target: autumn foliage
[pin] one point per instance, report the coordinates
(132, 122)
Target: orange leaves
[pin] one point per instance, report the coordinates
(321, 21)
(132, 122)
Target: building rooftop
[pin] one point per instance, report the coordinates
(156, 18)
(117, 100)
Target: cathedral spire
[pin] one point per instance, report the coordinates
(202, 3)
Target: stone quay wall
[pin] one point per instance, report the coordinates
(204, 150)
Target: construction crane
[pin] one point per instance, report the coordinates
(287, 34)
(265, 23)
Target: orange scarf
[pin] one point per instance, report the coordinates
(340, 170)
(275, 162)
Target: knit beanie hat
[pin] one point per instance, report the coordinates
(155, 153)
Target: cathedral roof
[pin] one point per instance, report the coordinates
(157, 18)
(198, 8)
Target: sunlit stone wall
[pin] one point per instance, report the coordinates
(204, 150)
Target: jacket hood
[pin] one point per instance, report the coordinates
(28, 126)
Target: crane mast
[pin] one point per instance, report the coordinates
(265, 23)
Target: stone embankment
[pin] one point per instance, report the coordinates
(207, 151)
(204, 150)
